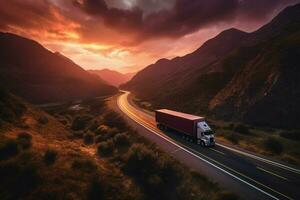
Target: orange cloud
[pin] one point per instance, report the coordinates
(128, 35)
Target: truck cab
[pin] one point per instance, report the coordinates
(205, 135)
(191, 127)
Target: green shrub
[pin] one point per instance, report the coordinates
(102, 129)
(105, 148)
(83, 164)
(88, 138)
(121, 139)
(78, 134)
(232, 138)
(11, 109)
(95, 189)
(94, 125)
(242, 129)
(140, 160)
(104, 133)
(81, 122)
(18, 179)
(153, 172)
(291, 135)
(8, 149)
(230, 126)
(50, 156)
(43, 120)
(3, 93)
(24, 140)
(113, 119)
(272, 145)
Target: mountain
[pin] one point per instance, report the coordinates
(252, 77)
(38, 75)
(112, 77)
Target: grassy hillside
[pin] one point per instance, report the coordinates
(86, 152)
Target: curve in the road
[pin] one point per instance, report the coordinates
(268, 191)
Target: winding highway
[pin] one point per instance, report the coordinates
(248, 175)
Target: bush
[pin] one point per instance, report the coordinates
(105, 133)
(43, 120)
(102, 129)
(113, 119)
(232, 138)
(24, 140)
(8, 148)
(96, 189)
(272, 145)
(78, 134)
(105, 148)
(229, 127)
(94, 125)
(18, 179)
(121, 139)
(153, 172)
(88, 138)
(81, 122)
(140, 161)
(290, 135)
(242, 129)
(83, 164)
(50, 156)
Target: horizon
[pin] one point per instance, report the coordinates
(75, 28)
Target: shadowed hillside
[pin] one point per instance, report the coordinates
(253, 77)
(38, 75)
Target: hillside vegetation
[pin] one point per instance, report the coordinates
(84, 151)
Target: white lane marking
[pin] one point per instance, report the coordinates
(230, 174)
(175, 151)
(220, 152)
(272, 173)
(291, 169)
(282, 166)
(140, 120)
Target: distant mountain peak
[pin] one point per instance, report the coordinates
(112, 77)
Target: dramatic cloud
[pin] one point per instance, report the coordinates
(153, 19)
(129, 34)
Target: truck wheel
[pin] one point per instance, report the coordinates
(202, 144)
(160, 127)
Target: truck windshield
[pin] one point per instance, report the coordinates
(208, 133)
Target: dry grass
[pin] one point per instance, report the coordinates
(57, 163)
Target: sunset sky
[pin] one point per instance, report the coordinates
(127, 35)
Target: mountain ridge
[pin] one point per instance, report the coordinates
(211, 79)
(112, 77)
(33, 72)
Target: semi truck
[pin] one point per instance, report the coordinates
(192, 127)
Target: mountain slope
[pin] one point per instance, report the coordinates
(112, 77)
(169, 74)
(233, 76)
(38, 75)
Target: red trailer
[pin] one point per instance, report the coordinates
(192, 126)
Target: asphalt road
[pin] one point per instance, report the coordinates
(248, 175)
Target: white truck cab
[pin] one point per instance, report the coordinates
(205, 135)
